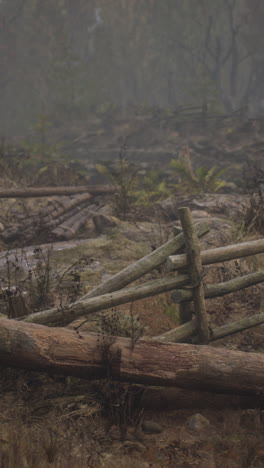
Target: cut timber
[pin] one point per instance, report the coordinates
(57, 191)
(195, 271)
(68, 228)
(220, 289)
(144, 265)
(49, 218)
(95, 304)
(220, 254)
(64, 351)
(59, 212)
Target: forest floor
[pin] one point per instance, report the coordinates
(56, 421)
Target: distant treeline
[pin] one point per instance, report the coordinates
(64, 58)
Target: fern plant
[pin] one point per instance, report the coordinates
(203, 180)
(152, 189)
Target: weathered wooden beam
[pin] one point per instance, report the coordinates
(178, 334)
(237, 326)
(144, 265)
(183, 332)
(95, 304)
(220, 289)
(85, 355)
(57, 316)
(221, 254)
(195, 271)
(54, 191)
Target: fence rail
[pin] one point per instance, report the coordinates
(91, 356)
(188, 284)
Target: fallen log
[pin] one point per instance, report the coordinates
(221, 254)
(55, 191)
(95, 304)
(86, 355)
(144, 265)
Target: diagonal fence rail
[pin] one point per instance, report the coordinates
(188, 285)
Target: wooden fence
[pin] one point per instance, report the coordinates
(188, 284)
(156, 360)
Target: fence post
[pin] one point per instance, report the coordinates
(185, 311)
(195, 272)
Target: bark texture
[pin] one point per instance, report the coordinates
(87, 355)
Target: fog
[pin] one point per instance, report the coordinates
(69, 59)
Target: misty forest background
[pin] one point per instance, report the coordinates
(65, 60)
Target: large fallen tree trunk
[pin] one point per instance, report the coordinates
(64, 351)
(57, 191)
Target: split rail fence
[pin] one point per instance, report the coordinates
(159, 360)
(188, 284)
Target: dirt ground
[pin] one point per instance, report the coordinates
(65, 422)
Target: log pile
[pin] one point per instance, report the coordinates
(59, 220)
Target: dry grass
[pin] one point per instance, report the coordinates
(40, 428)
(64, 422)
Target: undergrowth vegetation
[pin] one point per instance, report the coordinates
(34, 164)
(136, 188)
(31, 284)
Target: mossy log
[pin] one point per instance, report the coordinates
(61, 350)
